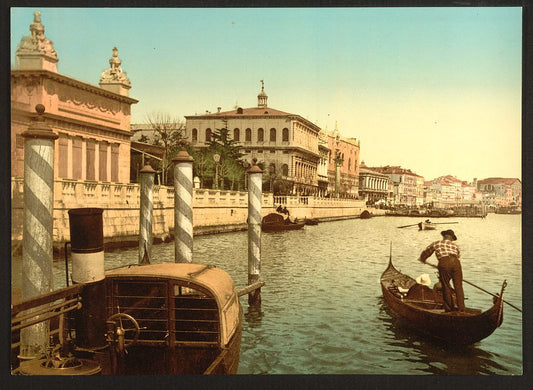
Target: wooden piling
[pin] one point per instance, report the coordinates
(37, 240)
(147, 176)
(255, 179)
(183, 190)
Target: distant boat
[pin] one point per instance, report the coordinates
(420, 307)
(426, 225)
(507, 210)
(274, 222)
(365, 214)
(311, 221)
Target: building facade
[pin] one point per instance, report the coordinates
(501, 192)
(405, 185)
(343, 166)
(373, 186)
(93, 122)
(285, 144)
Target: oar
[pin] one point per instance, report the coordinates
(414, 224)
(482, 289)
(440, 223)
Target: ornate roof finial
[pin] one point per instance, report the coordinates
(37, 42)
(114, 74)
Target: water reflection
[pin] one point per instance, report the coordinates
(433, 356)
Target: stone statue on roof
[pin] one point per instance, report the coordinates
(114, 74)
(37, 42)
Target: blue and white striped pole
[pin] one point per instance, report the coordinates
(147, 175)
(255, 187)
(37, 239)
(183, 190)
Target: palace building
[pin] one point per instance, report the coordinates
(287, 145)
(93, 122)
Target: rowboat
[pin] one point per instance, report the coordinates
(274, 222)
(426, 226)
(420, 307)
(162, 318)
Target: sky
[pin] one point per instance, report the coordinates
(433, 90)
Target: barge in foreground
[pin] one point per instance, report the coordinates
(165, 318)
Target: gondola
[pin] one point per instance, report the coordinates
(365, 214)
(421, 308)
(274, 222)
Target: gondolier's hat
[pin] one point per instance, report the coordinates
(424, 279)
(449, 232)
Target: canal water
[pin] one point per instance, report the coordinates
(322, 310)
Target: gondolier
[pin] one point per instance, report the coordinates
(448, 254)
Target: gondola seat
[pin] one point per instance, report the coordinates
(420, 292)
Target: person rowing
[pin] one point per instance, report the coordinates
(448, 254)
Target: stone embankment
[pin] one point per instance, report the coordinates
(215, 211)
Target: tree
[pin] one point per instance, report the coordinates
(203, 163)
(168, 131)
(230, 165)
(144, 139)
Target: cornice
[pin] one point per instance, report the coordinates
(17, 73)
(60, 122)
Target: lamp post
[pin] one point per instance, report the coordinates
(246, 165)
(216, 159)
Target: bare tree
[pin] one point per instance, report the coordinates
(168, 131)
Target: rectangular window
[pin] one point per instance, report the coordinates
(102, 161)
(114, 162)
(62, 156)
(76, 158)
(90, 166)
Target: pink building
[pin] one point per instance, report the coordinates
(344, 152)
(93, 122)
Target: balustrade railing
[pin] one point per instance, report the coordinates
(78, 193)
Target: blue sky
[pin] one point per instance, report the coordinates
(435, 90)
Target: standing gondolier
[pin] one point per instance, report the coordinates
(449, 267)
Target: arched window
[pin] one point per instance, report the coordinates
(194, 135)
(236, 135)
(349, 164)
(272, 169)
(248, 135)
(285, 134)
(260, 135)
(285, 170)
(272, 135)
(208, 135)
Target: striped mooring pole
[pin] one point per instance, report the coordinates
(37, 239)
(147, 175)
(255, 187)
(183, 190)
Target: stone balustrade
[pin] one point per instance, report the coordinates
(214, 210)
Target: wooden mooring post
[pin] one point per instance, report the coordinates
(147, 176)
(255, 182)
(37, 239)
(183, 190)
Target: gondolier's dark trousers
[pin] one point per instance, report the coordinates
(450, 269)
